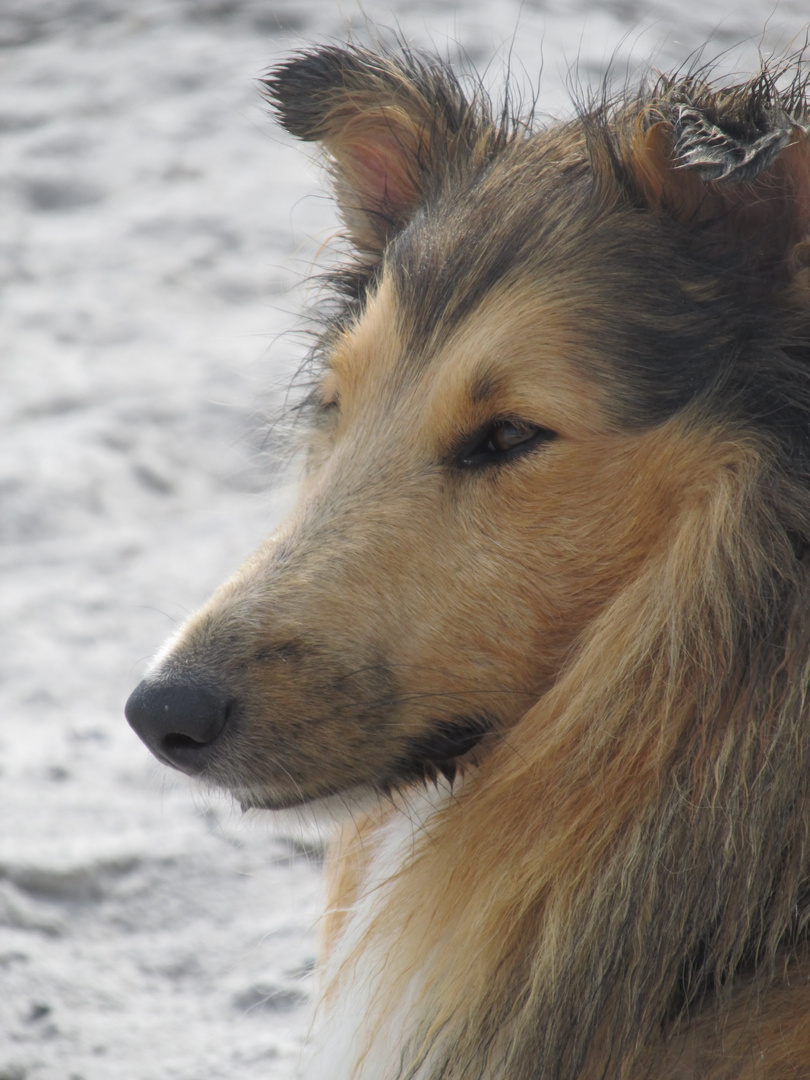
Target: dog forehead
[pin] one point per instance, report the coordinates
(516, 352)
(504, 232)
(519, 219)
(531, 246)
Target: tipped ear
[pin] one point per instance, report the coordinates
(390, 125)
(738, 160)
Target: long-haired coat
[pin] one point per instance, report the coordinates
(539, 628)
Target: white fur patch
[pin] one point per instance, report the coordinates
(351, 1040)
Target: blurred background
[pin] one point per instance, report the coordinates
(155, 228)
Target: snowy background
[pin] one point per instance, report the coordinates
(154, 231)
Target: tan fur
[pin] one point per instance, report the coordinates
(606, 632)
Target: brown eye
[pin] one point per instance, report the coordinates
(508, 434)
(501, 441)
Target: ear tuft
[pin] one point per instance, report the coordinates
(724, 144)
(734, 162)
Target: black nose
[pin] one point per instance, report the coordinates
(179, 722)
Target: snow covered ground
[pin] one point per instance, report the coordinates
(154, 228)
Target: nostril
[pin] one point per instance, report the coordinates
(182, 742)
(176, 744)
(179, 720)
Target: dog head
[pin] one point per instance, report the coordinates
(545, 353)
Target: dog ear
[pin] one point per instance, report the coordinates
(389, 124)
(735, 163)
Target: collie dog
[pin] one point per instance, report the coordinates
(538, 631)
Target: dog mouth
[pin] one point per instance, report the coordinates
(441, 753)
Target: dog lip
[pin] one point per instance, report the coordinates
(247, 801)
(440, 748)
(451, 739)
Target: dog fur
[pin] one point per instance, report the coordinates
(539, 624)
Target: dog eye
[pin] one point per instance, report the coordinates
(507, 435)
(503, 440)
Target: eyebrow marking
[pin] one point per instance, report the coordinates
(485, 386)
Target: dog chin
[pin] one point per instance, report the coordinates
(339, 807)
(332, 807)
